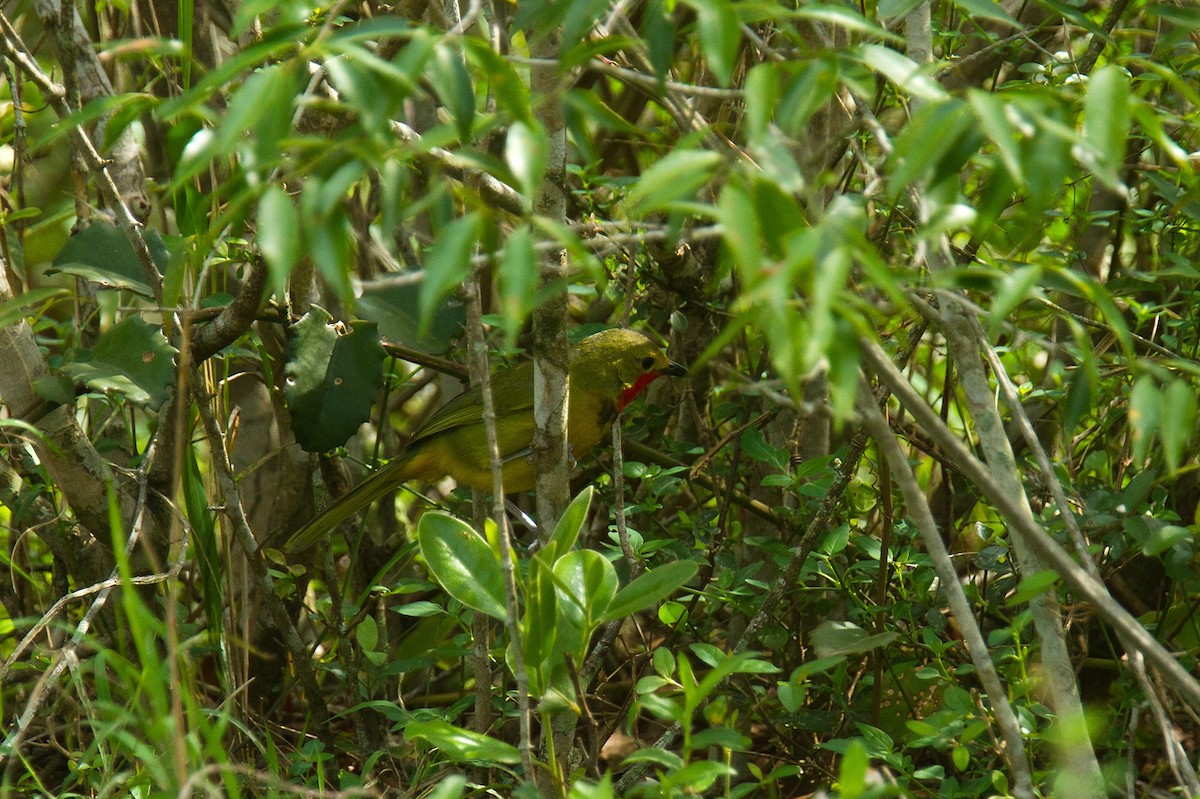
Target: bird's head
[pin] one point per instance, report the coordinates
(623, 361)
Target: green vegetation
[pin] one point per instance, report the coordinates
(921, 521)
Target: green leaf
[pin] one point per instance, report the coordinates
(101, 253)
(570, 524)
(986, 9)
(462, 563)
(1013, 291)
(1162, 537)
(452, 83)
(992, 115)
(901, 70)
(832, 638)
(1033, 585)
(540, 630)
(1178, 415)
(1106, 123)
(258, 114)
(367, 633)
(652, 586)
(278, 235)
(720, 34)
(133, 358)
(887, 9)
(19, 307)
(677, 176)
(518, 281)
(393, 302)
(460, 745)
(852, 772)
(587, 583)
(447, 264)
(330, 379)
(758, 449)
(525, 152)
(1143, 415)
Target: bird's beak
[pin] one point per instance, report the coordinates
(676, 369)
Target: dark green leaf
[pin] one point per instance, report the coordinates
(463, 563)
(133, 358)
(102, 254)
(393, 303)
(330, 380)
(654, 585)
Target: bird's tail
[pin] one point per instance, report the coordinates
(383, 480)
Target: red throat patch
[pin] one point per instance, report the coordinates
(630, 394)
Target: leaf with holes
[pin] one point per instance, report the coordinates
(330, 379)
(132, 358)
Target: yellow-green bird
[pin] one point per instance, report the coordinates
(607, 371)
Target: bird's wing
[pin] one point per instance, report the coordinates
(512, 392)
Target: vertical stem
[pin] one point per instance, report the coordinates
(481, 376)
(550, 319)
(922, 517)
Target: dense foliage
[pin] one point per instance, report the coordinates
(921, 521)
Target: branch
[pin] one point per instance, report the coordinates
(977, 648)
(1018, 518)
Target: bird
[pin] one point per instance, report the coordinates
(607, 371)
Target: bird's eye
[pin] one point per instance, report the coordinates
(648, 363)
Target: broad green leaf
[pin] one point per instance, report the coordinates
(805, 93)
(701, 775)
(392, 302)
(539, 630)
(586, 789)
(992, 115)
(460, 745)
(462, 563)
(676, 177)
(259, 112)
(450, 786)
(330, 379)
(503, 81)
(587, 583)
(1106, 122)
(133, 358)
(919, 157)
(758, 449)
(101, 253)
(762, 100)
(570, 524)
(742, 232)
(852, 771)
(888, 9)
(653, 585)
(1162, 537)
(367, 633)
